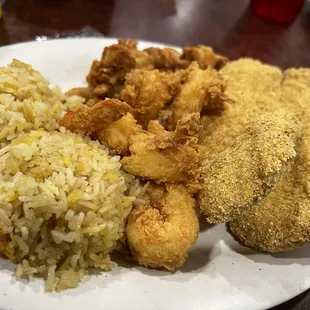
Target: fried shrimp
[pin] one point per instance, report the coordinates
(281, 222)
(170, 59)
(107, 76)
(147, 92)
(155, 154)
(116, 135)
(166, 58)
(203, 89)
(204, 56)
(84, 92)
(107, 121)
(87, 120)
(161, 234)
(249, 168)
(164, 156)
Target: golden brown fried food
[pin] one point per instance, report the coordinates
(147, 92)
(108, 121)
(186, 131)
(176, 154)
(249, 168)
(161, 234)
(88, 120)
(281, 222)
(107, 76)
(171, 59)
(92, 101)
(176, 80)
(204, 56)
(166, 58)
(84, 92)
(78, 120)
(116, 135)
(164, 156)
(202, 88)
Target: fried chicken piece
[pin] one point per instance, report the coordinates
(147, 92)
(164, 156)
(281, 222)
(202, 88)
(116, 135)
(107, 76)
(204, 56)
(87, 120)
(166, 58)
(161, 234)
(248, 170)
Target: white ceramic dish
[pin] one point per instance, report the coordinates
(219, 273)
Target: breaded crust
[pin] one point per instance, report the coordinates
(249, 168)
(282, 221)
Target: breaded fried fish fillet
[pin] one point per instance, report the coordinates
(281, 222)
(255, 89)
(247, 170)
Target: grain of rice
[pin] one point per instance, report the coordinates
(25, 233)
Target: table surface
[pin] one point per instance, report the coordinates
(228, 26)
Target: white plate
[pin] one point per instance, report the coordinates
(219, 273)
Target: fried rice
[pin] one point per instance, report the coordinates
(28, 101)
(63, 199)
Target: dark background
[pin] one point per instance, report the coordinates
(229, 26)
